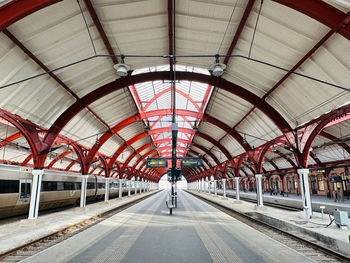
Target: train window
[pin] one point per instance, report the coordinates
(9, 186)
(77, 186)
(113, 185)
(60, 186)
(49, 186)
(25, 190)
(101, 186)
(68, 186)
(90, 185)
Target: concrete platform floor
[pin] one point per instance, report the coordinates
(313, 229)
(22, 232)
(145, 232)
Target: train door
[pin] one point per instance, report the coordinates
(313, 185)
(25, 186)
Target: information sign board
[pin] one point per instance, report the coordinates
(156, 163)
(191, 162)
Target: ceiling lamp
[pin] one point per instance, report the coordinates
(122, 68)
(217, 69)
(147, 127)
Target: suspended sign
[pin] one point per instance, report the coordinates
(191, 162)
(156, 163)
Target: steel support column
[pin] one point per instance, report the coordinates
(35, 194)
(84, 179)
(107, 189)
(237, 188)
(305, 192)
(259, 189)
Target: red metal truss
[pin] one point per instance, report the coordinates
(239, 30)
(295, 67)
(322, 12)
(62, 155)
(122, 82)
(137, 151)
(106, 89)
(16, 10)
(316, 9)
(51, 74)
(28, 130)
(336, 140)
(313, 8)
(122, 124)
(10, 139)
(27, 159)
(156, 96)
(320, 125)
(100, 30)
(70, 165)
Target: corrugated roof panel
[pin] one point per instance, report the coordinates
(331, 153)
(340, 130)
(327, 64)
(140, 164)
(310, 161)
(201, 141)
(212, 162)
(111, 145)
(197, 150)
(282, 163)
(218, 154)
(13, 154)
(6, 131)
(131, 130)
(227, 107)
(115, 107)
(212, 130)
(233, 147)
(125, 154)
(268, 166)
(141, 142)
(258, 129)
(147, 150)
(84, 128)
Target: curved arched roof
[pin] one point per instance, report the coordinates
(56, 70)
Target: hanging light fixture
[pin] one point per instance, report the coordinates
(147, 127)
(122, 68)
(217, 69)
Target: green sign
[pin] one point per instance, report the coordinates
(156, 163)
(193, 162)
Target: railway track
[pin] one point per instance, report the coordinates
(35, 247)
(305, 247)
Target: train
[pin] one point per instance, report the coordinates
(58, 189)
(289, 203)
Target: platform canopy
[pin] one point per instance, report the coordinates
(282, 102)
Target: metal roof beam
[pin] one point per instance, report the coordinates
(100, 30)
(239, 30)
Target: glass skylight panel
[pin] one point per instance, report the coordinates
(156, 95)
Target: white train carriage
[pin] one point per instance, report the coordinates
(58, 189)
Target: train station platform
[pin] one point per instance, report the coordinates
(314, 229)
(293, 200)
(14, 234)
(145, 232)
(315, 198)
